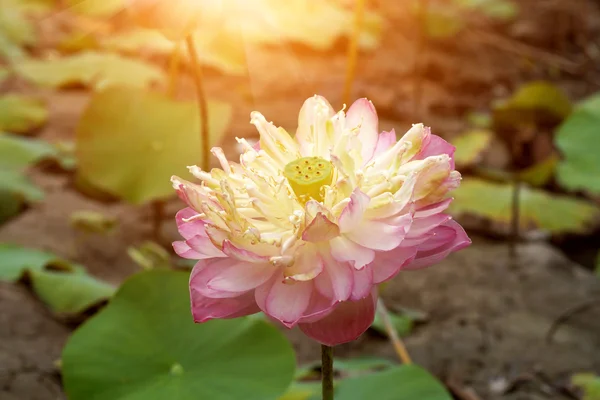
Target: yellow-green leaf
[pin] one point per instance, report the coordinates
(150, 255)
(470, 146)
(21, 114)
(96, 8)
(578, 140)
(137, 40)
(17, 153)
(93, 221)
(16, 260)
(68, 292)
(4, 73)
(590, 384)
(540, 173)
(90, 68)
(548, 211)
(532, 103)
(130, 142)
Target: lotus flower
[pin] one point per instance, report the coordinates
(304, 228)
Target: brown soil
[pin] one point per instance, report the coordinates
(487, 321)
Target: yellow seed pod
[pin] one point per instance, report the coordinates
(307, 175)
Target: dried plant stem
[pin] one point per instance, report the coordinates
(352, 57)
(420, 49)
(174, 66)
(158, 215)
(524, 50)
(327, 372)
(202, 102)
(392, 334)
(515, 220)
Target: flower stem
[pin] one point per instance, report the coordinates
(158, 214)
(420, 49)
(327, 371)
(202, 103)
(392, 334)
(174, 62)
(352, 56)
(515, 221)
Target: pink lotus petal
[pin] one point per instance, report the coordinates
(433, 209)
(439, 237)
(385, 140)
(307, 265)
(345, 250)
(319, 307)
(184, 250)
(320, 229)
(311, 114)
(206, 308)
(345, 323)
(387, 264)
(228, 277)
(362, 114)
(378, 235)
(241, 278)
(242, 254)
(284, 301)
(363, 283)
(421, 226)
(204, 247)
(431, 256)
(436, 146)
(352, 214)
(336, 280)
(191, 228)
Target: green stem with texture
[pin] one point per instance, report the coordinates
(202, 102)
(327, 371)
(352, 57)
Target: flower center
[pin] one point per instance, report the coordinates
(307, 175)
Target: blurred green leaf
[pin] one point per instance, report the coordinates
(10, 205)
(590, 384)
(19, 185)
(17, 153)
(405, 382)
(401, 322)
(90, 68)
(92, 221)
(540, 173)
(16, 30)
(4, 73)
(130, 142)
(497, 9)
(21, 114)
(345, 367)
(16, 260)
(479, 120)
(443, 22)
(533, 103)
(150, 255)
(96, 8)
(470, 146)
(578, 140)
(145, 345)
(302, 391)
(138, 40)
(65, 155)
(548, 211)
(69, 293)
